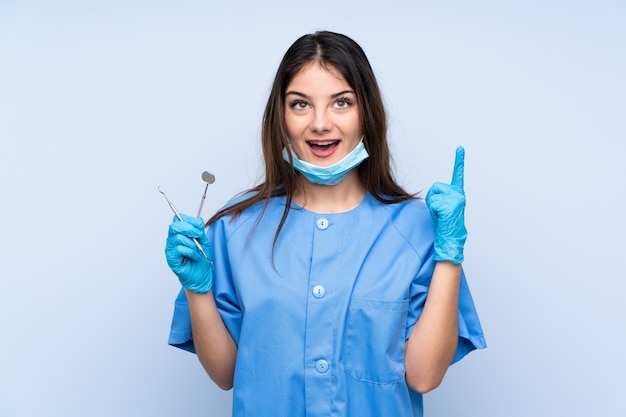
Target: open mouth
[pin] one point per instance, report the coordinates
(323, 146)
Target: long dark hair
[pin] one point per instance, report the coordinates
(332, 51)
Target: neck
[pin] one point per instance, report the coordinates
(329, 199)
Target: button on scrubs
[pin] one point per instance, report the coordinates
(321, 330)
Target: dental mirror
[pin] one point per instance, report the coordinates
(209, 179)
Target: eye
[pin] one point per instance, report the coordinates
(299, 105)
(343, 103)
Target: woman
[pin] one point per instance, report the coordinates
(330, 290)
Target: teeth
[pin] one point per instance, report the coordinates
(330, 142)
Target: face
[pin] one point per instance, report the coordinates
(322, 115)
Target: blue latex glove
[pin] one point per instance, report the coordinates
(194, 271)
(446, 203)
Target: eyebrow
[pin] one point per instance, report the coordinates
(339, 94)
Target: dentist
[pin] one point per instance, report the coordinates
(333, 291)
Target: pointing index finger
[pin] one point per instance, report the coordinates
(459, 168)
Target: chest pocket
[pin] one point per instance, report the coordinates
(375, 332)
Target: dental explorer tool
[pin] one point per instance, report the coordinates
(209, 179)
(181, 219)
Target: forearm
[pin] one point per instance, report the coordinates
(214, 345)
(433, 341)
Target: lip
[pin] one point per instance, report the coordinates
(326, 151)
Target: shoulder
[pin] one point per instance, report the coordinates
(411, 211)
(411, 219)
(250, 215)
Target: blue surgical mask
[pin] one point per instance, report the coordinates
(333, 174)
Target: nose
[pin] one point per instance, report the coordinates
(321, 122)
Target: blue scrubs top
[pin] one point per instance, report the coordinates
(321, 329)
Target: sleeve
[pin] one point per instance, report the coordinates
(223, 291)
(470, 331)
(180, 329)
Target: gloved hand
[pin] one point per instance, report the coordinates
(194, 271)
(446, 204)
